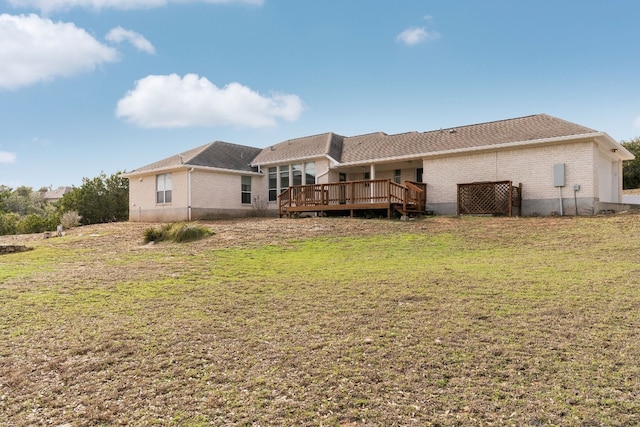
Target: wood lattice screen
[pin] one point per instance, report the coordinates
(494, 198)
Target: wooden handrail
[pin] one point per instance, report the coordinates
(353, 195)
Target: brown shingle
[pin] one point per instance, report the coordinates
(381, 146)
(221, 155)
(326, 144)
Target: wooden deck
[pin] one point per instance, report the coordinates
(352, 196)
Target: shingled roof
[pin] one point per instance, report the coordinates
(379, 146)
(218, 154)
(309, 147)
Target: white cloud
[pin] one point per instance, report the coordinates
(35, 49)
(636, 122)
(171, 101)
(6, 157)
(119, 35)
(416, 35)
(51, 5)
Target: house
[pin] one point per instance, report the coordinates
(556, 167)
(55, 195)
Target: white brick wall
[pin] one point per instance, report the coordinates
(533, 167)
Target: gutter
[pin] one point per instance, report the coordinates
(603, 137)
(185, 166)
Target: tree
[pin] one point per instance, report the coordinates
(99, 200)
(24, 201)
(631, 168)
(5, 192)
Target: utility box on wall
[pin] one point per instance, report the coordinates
(558, 175)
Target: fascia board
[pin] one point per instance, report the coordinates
(185, 166)
(293, 159)
(483, 148)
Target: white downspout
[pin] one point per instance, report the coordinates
(189, 194)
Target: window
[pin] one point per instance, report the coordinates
(419, 173)
(163, 188)
(366, 175)
(310, 173)
(273, 184)
(297, 174)
(284, 177)
(245, 190)
(397, 176)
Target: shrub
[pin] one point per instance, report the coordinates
(152, 235)
(178, 232)
(260, 206)
(70, 219)
(9, 223)
(188, 232)
(32, 224)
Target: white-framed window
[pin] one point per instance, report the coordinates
(283, 176)
(310, 173)
(163, 188)
(397, 176)
(273, 184)
(245, 190)
(296, 174)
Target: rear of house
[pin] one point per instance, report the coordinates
(228, 180)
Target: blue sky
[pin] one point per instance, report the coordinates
(91, 86)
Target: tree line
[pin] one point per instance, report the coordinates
(631, 168)
(98, 200)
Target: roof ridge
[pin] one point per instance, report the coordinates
(488, 122)
(370, 133)
(304, 137)
(193, 153)
(233, 143)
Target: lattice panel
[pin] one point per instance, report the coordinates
(484, 198)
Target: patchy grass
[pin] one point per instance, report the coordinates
(443, 321)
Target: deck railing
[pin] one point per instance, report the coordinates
(349, 195)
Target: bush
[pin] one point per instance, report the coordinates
(70, 219)
(188, 232)
(178, 232)
(9, 223)
(152, 235)
(32, 224)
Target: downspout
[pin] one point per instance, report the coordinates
(323, 174)
(189, 194)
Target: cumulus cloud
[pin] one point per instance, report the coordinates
(171, 101)
(119, 35)
(416, 35)
(6, 157)
(51, 5)
(35, 49)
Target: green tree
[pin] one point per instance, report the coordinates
(5, 192)
(631, 168)
(24, 201)
(99, 200)
(9, 223)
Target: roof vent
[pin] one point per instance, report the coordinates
(453, 131)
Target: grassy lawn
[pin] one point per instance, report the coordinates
(337, 322)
